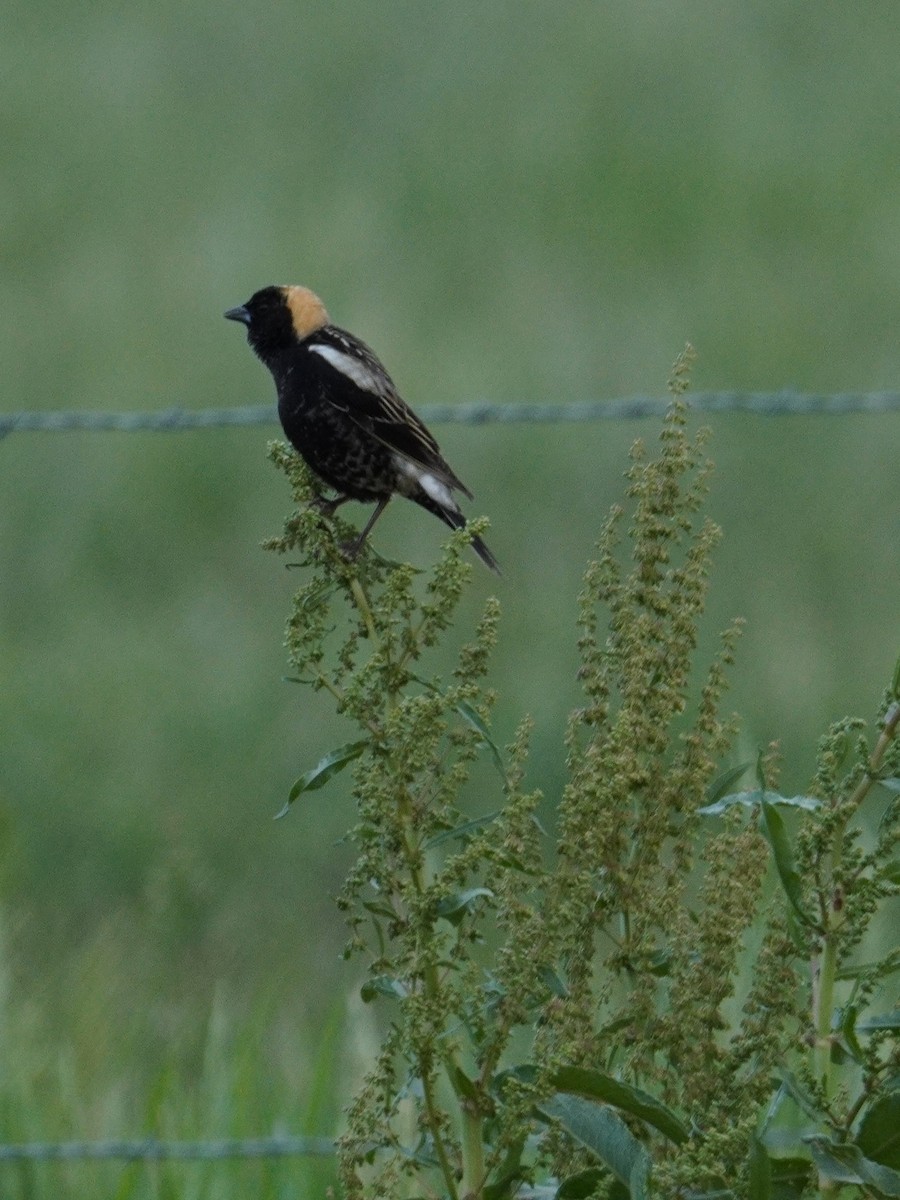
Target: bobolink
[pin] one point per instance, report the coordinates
(341, 412)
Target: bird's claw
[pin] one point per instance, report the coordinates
(350, 550)
(326, 508)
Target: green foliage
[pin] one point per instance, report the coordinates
(625, 1015)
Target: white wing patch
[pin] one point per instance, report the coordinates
(353, 368)
(430, 484)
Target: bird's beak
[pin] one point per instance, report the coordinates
(238, 314)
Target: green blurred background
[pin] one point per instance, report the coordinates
(511, 201)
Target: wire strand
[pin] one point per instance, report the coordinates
(623, 408)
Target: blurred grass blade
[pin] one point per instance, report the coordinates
(332, 764)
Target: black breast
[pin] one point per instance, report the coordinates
(314, 403)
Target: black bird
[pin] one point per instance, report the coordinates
(341, 412)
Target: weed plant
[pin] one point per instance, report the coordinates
(673, 995)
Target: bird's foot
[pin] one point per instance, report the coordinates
(350, 550)
(327, 507)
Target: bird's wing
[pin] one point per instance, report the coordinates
(374, 405)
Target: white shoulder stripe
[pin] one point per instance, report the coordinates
(352, 367)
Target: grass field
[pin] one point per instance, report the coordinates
(513, 203)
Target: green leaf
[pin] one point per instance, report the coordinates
(806, 803)
(595, 1085)
(553, 983)
(454, 908)
(760, 1172)
(660, 963)
(879, 1131)
(461, 831)
(751, 799)
(324, 769)
(832, 1161)
(720, 785)
(577, 1187)
(468, 713)
(606, 1135)
(845, 1163)
(383, 985)
(792, 1087)
(505, 1187)
(776, 834)
(614, 1026)
(790, 1177)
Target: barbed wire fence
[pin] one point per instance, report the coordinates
(622, 408)
(769, 404)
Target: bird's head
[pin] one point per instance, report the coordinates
(280, 317)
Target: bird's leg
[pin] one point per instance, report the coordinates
(327, 507)
(351, 549)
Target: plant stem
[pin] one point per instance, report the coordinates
(473, 1150)
(440, 1149)
(471, 1125)
(362, 603)
(888, 733)
(823, 1008)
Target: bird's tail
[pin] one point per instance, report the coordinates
(455, 519)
